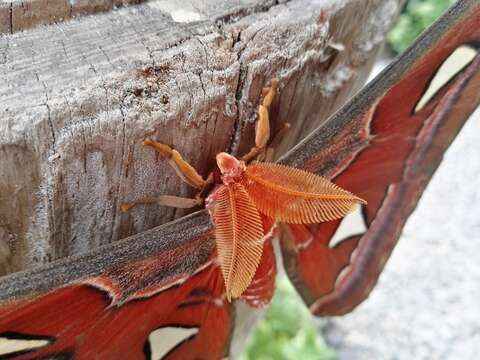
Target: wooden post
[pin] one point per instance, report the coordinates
(78, 98)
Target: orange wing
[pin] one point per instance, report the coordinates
(238, 234)
(295, 196)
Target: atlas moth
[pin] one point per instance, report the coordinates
(245, 192)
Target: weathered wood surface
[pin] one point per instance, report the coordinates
(78, 98)
(18, 15)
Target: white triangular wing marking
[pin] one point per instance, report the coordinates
(9, 346)
(165, 339)
(456, 62)
(352, 224)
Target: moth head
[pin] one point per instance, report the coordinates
(230, 167)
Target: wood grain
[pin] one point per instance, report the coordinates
(18, 15)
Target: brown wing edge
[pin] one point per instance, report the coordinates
(108, 259)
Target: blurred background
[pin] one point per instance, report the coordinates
(425, 305)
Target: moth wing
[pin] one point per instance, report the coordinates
(155, 295)
(79, 321)
(384, 146)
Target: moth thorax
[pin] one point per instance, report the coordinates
(230, 167)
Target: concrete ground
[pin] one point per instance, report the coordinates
(427, 302)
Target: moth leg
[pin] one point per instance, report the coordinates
(165, 200)
(262, 128)
(184, 170)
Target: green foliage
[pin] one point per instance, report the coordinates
(416, 17)
(288, 331)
